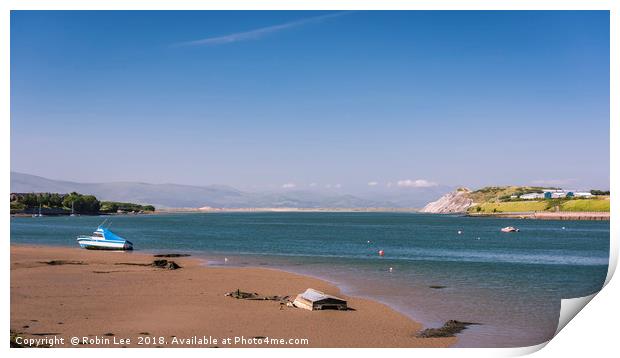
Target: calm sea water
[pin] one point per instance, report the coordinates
(510, 283)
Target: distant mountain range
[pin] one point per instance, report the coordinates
(222, 196)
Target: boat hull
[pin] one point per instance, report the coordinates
(91, 244)
(509, 230)
(104, 239)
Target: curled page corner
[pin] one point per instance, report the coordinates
(523, 351)
(569, 309)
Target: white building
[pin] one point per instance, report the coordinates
(531, 196)
(556, 194)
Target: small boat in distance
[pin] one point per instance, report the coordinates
(104, 239)
(509, 229)
(39, 214)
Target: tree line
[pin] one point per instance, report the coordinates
(599, 192)
(79, 203)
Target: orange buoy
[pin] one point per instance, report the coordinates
(381, 253)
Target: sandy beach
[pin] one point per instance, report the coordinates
(106, 300)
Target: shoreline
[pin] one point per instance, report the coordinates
(286, 210)
(534, 215)
(28, 215)
(188, 302)
(547, 215)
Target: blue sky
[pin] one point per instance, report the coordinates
(307, 99)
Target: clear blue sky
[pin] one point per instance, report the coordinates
(262, 99)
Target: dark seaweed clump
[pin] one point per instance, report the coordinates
(449, 329)
(170, 265)
(172, 255)
(241, 295)
(63, 262)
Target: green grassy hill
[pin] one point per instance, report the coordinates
(498, 200)
(516, 206)
(502, 193)
(599, 204)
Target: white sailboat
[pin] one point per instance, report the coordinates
(72, 209)
(39, 214)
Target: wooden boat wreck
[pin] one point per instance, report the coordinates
(313, 300)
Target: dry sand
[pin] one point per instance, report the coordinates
(102, 300)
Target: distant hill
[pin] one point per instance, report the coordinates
(159, 195)
(408, 197)
(216, 196)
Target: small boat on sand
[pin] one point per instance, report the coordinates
(104, 239)
(509, 229)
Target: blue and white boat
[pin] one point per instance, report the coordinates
(104, 239)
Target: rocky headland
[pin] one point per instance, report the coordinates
(457, 201)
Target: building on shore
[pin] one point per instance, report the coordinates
(556, 194)
(532, 196)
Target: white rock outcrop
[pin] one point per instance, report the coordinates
(457, 201)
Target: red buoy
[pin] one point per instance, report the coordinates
(381, 253)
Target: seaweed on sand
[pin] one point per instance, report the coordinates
(241, 295)
(62, 262)
(172, 255)
(170, 265)
(449, 329)
(165, 264)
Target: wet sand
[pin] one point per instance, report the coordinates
(100, 299)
